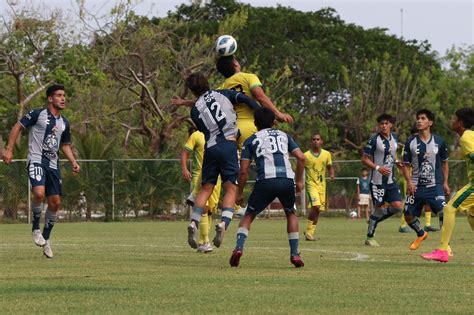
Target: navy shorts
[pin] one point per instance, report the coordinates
(433, 196)
(265, 191)
(41, 175)
(385, 193)
(220, 159)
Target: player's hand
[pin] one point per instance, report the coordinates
(447, 190)
(399, 164)
(384, 171)
(284, 117)
(239, 200)
(331, 178)
(411, 189)
(299, 186)
(178, 101)
(7, 156)
(187, 176)
(76, 168)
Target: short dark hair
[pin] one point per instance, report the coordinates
(387, 117)
(197, 83)
(264, 118)
(53, 88)
(364, 169)
(225, 66)
(316, 134)
(429, 114)
(466, 116)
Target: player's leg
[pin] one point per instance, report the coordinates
(206, 219)
(358, 210)
(37, 176)
(428, 215)
(378, 194)
(199, 209)
(413, 206)
(314, 203)
(53, 195)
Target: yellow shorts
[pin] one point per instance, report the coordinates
(464, 199)
(247, 128)
(213, 201)
(316, 197)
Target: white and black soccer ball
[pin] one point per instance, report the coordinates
(353, 214)
(226, 45)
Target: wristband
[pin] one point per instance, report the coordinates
(377, 168)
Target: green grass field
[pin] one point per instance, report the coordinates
(147, 267)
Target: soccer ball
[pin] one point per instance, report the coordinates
(226, 45)
(353, 214)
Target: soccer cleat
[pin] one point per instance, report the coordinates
(404, 229)
(297, 261)
(450, 251)
(47, 251)
(220, 231)
(38, 238)
(437, 255)
(235, 258)
(205, 248)
(193, 235)
(416, 243)
(309, 237)
(430, 228)
(371, 242)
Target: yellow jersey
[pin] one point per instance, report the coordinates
(196, 143)
(467, 151)
(244, 83)
(315, 167)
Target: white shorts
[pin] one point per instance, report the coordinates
(364, 199)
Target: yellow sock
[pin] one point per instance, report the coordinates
(403, 223)
(204, 229)
(428, 218)
(209, 217)
(448, 226)
(470, 219)
(310, 227)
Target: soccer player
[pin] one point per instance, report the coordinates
(269, 148)
(214, 115)
(380, 155)
(195, 145)
(250, 85)
(427, 156)
(363, 191)
(48, 132)
(461, 123)
(317, 161)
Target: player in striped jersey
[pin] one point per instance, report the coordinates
(48, 132)
(214, 115)
(380, 155)
(269, 148)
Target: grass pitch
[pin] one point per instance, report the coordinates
(147, 267)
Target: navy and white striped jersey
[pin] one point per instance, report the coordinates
(383, 152)
(269, 148)
(46, 135)
(425, 160)
(214, 115)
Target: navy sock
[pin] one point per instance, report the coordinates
(226, 217)
(242, 234)
(50, 220)
(373, 220)
(36, 210)
(293, 238)
(196, 215)
(416, 226)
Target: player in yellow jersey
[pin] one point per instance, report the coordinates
(461, 123)
(250, 85)
(317, 161)
(195, 146)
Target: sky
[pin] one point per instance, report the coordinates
(443, 23)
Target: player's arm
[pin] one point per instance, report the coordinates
(406, 170)
(357, 188)
(265, 101)
(445, 169)
(184, 165)
(15, 132)
(299, 180)
(367, 161)
(242, 98)
(178, 101)
(243, 177)
(67, 150)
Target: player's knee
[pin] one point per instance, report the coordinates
(53, 204)
(470, 219)
(38, 196)
(394, 210)
(378, 212)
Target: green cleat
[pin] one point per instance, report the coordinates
(371, 242)
(430, 228)
(404, 229)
